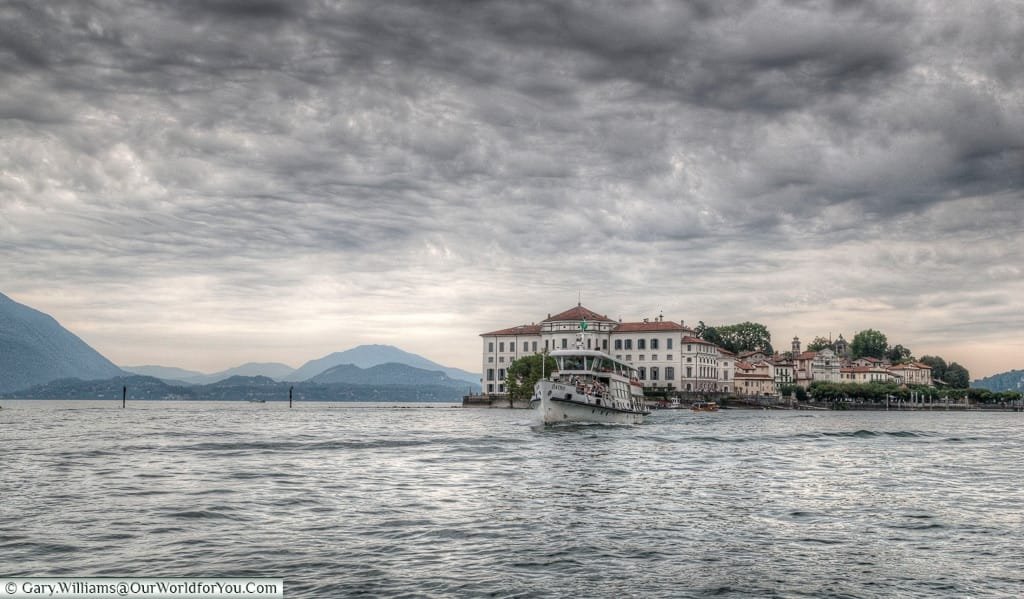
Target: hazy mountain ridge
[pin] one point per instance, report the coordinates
(387, 374)
(368, 356)
(237, 388)
(35, 349)
(172, 375)
(1012, 380)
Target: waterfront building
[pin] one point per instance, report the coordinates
(913, 373)
(868, 374)
(652, 346)
(700, 365)
(726, 370)
(755, 380)
(825, 366)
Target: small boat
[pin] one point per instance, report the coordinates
(589, 386)
(704, 406)
(256, 400)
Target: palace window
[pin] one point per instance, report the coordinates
(501, 346)
(490, 346)
(501, 374)
(641, 344)
(534, 346)
(654, 344)
(641, 373)
(618, 344)
(629, 344)
(670, 373)
(490, 374)
(669, 357)
(604, 344)
(668, 343)
(654, 373)
(526, 346)
(654, 356)
(565, 343)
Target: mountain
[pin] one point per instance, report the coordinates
(1004, 381)
(236, 388)
(387, 374)
(366, 356)
(164, 373)
(274, 370)
(36, 349)
(177, 376)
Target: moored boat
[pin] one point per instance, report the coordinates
(589, 386)
(704, 406)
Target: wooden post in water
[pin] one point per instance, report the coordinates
(124, 395)
(290, 396)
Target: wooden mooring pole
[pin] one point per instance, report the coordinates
(124, 396)
(290, 396)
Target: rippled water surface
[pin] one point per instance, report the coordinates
(432, 500)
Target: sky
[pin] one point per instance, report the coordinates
(204, 183)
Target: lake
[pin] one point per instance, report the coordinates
(433, 500)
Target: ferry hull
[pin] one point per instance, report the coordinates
(555, 402)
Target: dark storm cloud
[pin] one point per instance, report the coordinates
(731, 148)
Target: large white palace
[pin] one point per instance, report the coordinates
(665, 353)
(668, 355)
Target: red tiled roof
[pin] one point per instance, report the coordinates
(577, 313)
(657, 325)
(807, 355)
(689, 339)
(523, 329)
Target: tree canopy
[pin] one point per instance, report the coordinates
(898, 353)
(869, 343)
(745, 336)
(957, 376)
(523, 374)
(819, 344)
(937, 364)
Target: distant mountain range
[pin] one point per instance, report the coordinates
(35, 348)
(387, 374)
(36, 351)
(366, 356)
(236, 388)
(274, 370)
(1004, 381)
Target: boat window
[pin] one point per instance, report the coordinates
(572, 363)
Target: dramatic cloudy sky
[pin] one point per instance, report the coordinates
(205, 183)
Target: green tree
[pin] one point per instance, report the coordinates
(523, 374)
(745, 336)
(898, 353)
(937, 364)
(957, 376)
(869, 343)
(819, 344)
(709, 334)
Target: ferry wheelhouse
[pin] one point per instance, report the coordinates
(589, 386)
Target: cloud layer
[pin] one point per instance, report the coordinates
(203, 183)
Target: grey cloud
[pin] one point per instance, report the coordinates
(736, 151)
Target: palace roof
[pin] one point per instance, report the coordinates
(696, 340)
(578, 312)
(523, 329)
(657, 325)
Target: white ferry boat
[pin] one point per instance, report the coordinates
(589, 386)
